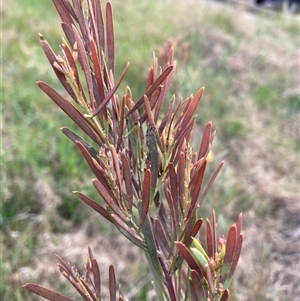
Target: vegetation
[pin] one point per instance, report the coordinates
(250, 70)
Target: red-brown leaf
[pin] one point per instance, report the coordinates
(152, 100)
(197, 284)
(68, 33)
(97, 277)
(196, 187)
(128, 232)
(45, 292)
(112, 204)
(146, 193)
(225, 295)
(151, 89)
(63, 12)
(209, 239)
(164, 92)
(239, 223)
(148, 111)
(185, 253)
(79, 12)
(192, 107)
(100, 26)
(95, 167)
(166, 116)
(98, 74)
(121, 124)
(196, 227)
(111, 92)
(193, 294)
(52, 59)
(210, 183)
(110, 37)
(174, 190)
(112, 284)
(230, 246)
(173, 221)
(84, 63)
(71, 111)
(127, 179)
(72, 64)
(209, 279)
(237, 253)
(116, 166)
(94, 205)
(205, 143)
(181, 178)
(160, 235)
(150, 79)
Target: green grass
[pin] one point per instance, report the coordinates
(251, 94)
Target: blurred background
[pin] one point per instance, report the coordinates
(246, 56)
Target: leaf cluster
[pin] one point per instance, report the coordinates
(146, 172)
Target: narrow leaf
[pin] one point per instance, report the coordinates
(196, 187)
(209, 239)
(121, 122)
(45, 292)
(68, 33)
(82, 24)
(95, 167)
(112, 284)
(197, 284)
(239, 223)
(116, 167)
(161, 236)
(237, 253)
(63, 12)
(100, 26)
(128, 232)
(209, 279)
(192, 107)
(127, 179)
(98, 73)
(75, 138)
(205, 142)
(110, 37)
(173, 221)
(94, 205)
(166, 116)
(146, 192)
(148, 111)
(186, 254)
(181, 169)
(112, 204)
(97, 278)
(110, 93)
(84, 64)
(165, 90)
(52, 59)
(71, 111)
(230, 249)
(210, 183)
(174, 190)
(196, 227)
(152, 155)
(152, 88)
(152, 248)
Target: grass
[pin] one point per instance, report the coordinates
(249, 66)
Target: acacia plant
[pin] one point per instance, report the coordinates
(146, 172)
